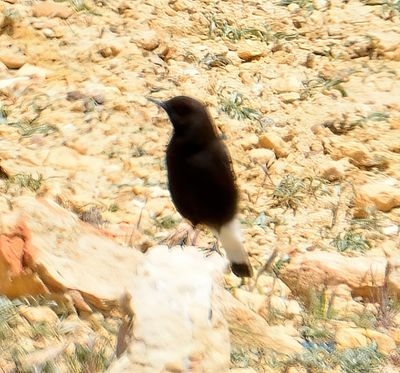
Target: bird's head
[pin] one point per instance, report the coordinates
(187, 116)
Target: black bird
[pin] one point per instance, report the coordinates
(201, 179)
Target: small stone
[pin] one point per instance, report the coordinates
(381, 196)
(14, 84)
(51, 9)
(249, 141)
(33, 71)
(390, 230)
(293, 7)
(293, 308)
(147, 40)
(174, 367)
(385, 343)
(250, 50)
(275, 143)
(109, 51)
(290, 97)
(12, 60)
(350, 338)
(3, 67)
(310, 61)
(75, 96)
(252, 300)
(99, 99)
(358, 153)
(49, 33)
(39, 314)
(333, 170)
(287, 83)
(262, 156)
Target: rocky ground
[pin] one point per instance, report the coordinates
(306, 94)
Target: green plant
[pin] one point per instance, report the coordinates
(313, 332)
(317, 84)
(8, 313)
(313, 360)
(220, 27)
(239, 358)
(351, 241)
(366, 320)
(95, 357)
(166, 222)
(42, 329)
(351, 360)
(235, 105)
(320, 304)
(305, 4)
(91, 215)
(29, 127)
(289, 192)
(25, 181)
(113, 207)
(223, 28)
(3, 114)
(360, 360)
(371, 222)
(215, 60)
(249, 356)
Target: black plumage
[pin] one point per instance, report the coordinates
(200, 176)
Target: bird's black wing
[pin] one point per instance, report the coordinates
(213, 184)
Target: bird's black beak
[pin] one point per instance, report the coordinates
(159, 103)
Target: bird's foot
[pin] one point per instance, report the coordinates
(181, 237)
(214, 248)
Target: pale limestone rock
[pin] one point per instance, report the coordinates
(147, 39)
(385, 343)
(249, 50)
(394, 274)
(12, 60)
(68, 158)
(252, 300)
(248, 328)
(250, 141)
(293, 308)
(262, 155)
(358, 153)
(290, 97)
(33, 71)
(51, 9)
(278, 304)
(275, 143)
(58, 251)
(109, 51)
(179, 321)
(378, 195)
(39, 314)
(333, 170)
(292, 82)
(350, 338)
(321, 268)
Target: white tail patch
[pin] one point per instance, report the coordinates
(232, 241)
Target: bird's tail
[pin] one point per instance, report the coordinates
(232, 242)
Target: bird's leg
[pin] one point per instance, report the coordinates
(179, 237)
(215, 246)
(195, 236)
(213, 249)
